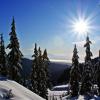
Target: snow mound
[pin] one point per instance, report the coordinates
(16, 91)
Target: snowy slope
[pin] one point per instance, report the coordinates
(19, 92)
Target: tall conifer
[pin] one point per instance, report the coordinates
(39, 75)
(15, 55)
(3, 60)
(34, 73)
(88, 70)
(74, 74)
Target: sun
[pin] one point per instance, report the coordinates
(81, 27)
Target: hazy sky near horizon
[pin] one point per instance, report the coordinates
(47, 22)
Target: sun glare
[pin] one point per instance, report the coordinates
(81, 27)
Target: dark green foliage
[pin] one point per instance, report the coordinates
(97, 73)
(42, 84)
(3, 61)
(65, 76)
(87, 74)
(39, 75)
(14, 56)
(46, 63)
(88, 70)
(34, 75)
(86, 80)
(74, 74)
(88, 52)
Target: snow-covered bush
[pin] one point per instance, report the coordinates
(7, 95)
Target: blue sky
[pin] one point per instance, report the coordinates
(47, 22)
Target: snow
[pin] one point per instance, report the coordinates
(61, 86)
(58, 92)
(82, 97)
(18, 91)
(59, 95)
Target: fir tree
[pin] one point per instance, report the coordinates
(88, 52)
(97, 73)
(46, 64)
(3, 61)
(74, 74)
(39, 75)
(15, 55)
(88, 70)
(34, 74)
(42, 76)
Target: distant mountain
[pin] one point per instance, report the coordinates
(56, 69)
(59, 70)
(65, 76)
(27, 65)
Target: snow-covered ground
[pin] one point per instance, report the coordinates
(18, 92)
(57, 94)
(80, 97)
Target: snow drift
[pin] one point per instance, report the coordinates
(18, 91)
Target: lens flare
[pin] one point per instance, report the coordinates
(81, 27)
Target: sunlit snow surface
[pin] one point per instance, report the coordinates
(80, 97)
(57, 95)
(19, 92)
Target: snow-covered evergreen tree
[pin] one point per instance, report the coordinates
(88, 52)
(39, 75)
(88, 70)
(34, 74)
(74, 74)
(46, 64)
(3, 60)
(97, 73)
(44, 74)
(15, 55)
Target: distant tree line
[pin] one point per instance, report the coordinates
(11, 66)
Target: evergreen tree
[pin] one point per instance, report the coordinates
(88, 52)
(39, 75)
(97, 73)
(74, 74)
(15, 55)
(3, 61)
(46, 64)
(42, 75)
(88, 70)
(34, 74)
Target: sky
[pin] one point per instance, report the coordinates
(49, 24)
